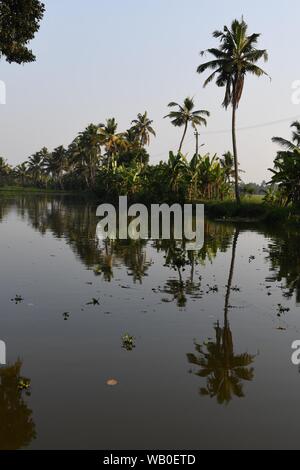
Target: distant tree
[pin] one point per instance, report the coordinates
(5, 169)
(56, 164)
(113, 142)
(143, 128)
(227, 163)
(185, 116)
(287, 144)
(286, 172)
(36, 165)
(19, 21)
(21, 172)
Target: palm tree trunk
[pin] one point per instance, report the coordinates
(197, 142)
(236, 164)
(230, 278)
(183, 137)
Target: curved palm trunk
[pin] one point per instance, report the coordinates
(236, 164)
(183, 137)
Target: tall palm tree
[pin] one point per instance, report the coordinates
(56, 164)
(236, 56)
(36, 165)
(89, 143)
(290, 145)
(185, 116)
(143, 128)
(113, 142)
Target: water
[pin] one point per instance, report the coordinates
(212, 363)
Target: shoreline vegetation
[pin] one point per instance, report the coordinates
(105, 163)
(252, 210)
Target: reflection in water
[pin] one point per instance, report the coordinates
(217, 238)
(284, 257)
(184, 280)
(17, 428)
(75, 221)
(224, 370)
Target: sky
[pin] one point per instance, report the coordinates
(98, 59)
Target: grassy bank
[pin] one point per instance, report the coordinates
(252, 210)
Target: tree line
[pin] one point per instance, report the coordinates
(110, 162)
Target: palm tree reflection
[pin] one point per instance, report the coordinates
(224, 370)
(17, 428)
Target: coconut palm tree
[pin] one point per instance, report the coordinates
(142, 126)
(286, 172)
(5, 168)
(56, 164)
(236, 57)
(142, 130)
(286, 175)
(186, 115)
(89, 147)
(290, 145)
(36, 165)
(113, 142)
(21, 172)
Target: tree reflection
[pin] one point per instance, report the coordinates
(284, 257)
(17, 428)
(184, 263)
(74, 220)
(224, 370)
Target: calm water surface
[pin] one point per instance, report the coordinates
(212, 363)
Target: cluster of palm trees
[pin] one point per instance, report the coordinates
(112, 163)
(202, 178)
(100, 150)
(98, 146)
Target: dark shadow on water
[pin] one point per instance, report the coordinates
(17, 428)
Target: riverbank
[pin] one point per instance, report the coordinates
(251, 210)
(21, 189)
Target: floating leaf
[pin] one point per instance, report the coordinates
(112, 382)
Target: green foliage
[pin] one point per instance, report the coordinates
(19, 21)
(286, 172)
(186, 115)
(236, 57)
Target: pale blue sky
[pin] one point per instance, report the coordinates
(105, 58)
